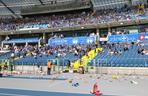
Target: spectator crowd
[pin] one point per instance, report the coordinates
(121, 48)
(70, 19)
(58, 51)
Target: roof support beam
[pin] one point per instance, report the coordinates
(9, 8)
(41, 2)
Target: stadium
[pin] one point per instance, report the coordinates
(73, 47)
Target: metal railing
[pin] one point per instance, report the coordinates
(120, 62)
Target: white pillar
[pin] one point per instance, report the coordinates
(26, 44)
(13, 44)
(39, 43)
(97, 37)
(44, 38)
(2, 45)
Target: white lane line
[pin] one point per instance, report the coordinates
(5, 94)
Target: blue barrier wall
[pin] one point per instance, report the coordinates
(127, 37)
(22, 40)
(71, 41)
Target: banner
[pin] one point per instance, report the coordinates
(143, 36)
(71, 41)
(23, 40)
(127, 38)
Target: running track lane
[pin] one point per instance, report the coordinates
(18, 92)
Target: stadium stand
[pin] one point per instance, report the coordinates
(129, 58)
(100, 41)
(71, 20)
(115, 53)
(40, 55)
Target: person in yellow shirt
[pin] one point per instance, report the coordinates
(141, 9)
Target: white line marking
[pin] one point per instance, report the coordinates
(5, 94)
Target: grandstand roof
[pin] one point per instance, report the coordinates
(17, 7)
(14, 7)
(110, 4)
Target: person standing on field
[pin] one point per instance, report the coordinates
(49, 66)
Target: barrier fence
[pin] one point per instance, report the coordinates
(100, 65)
(35, 67)
(60, 65)
(122, 62)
